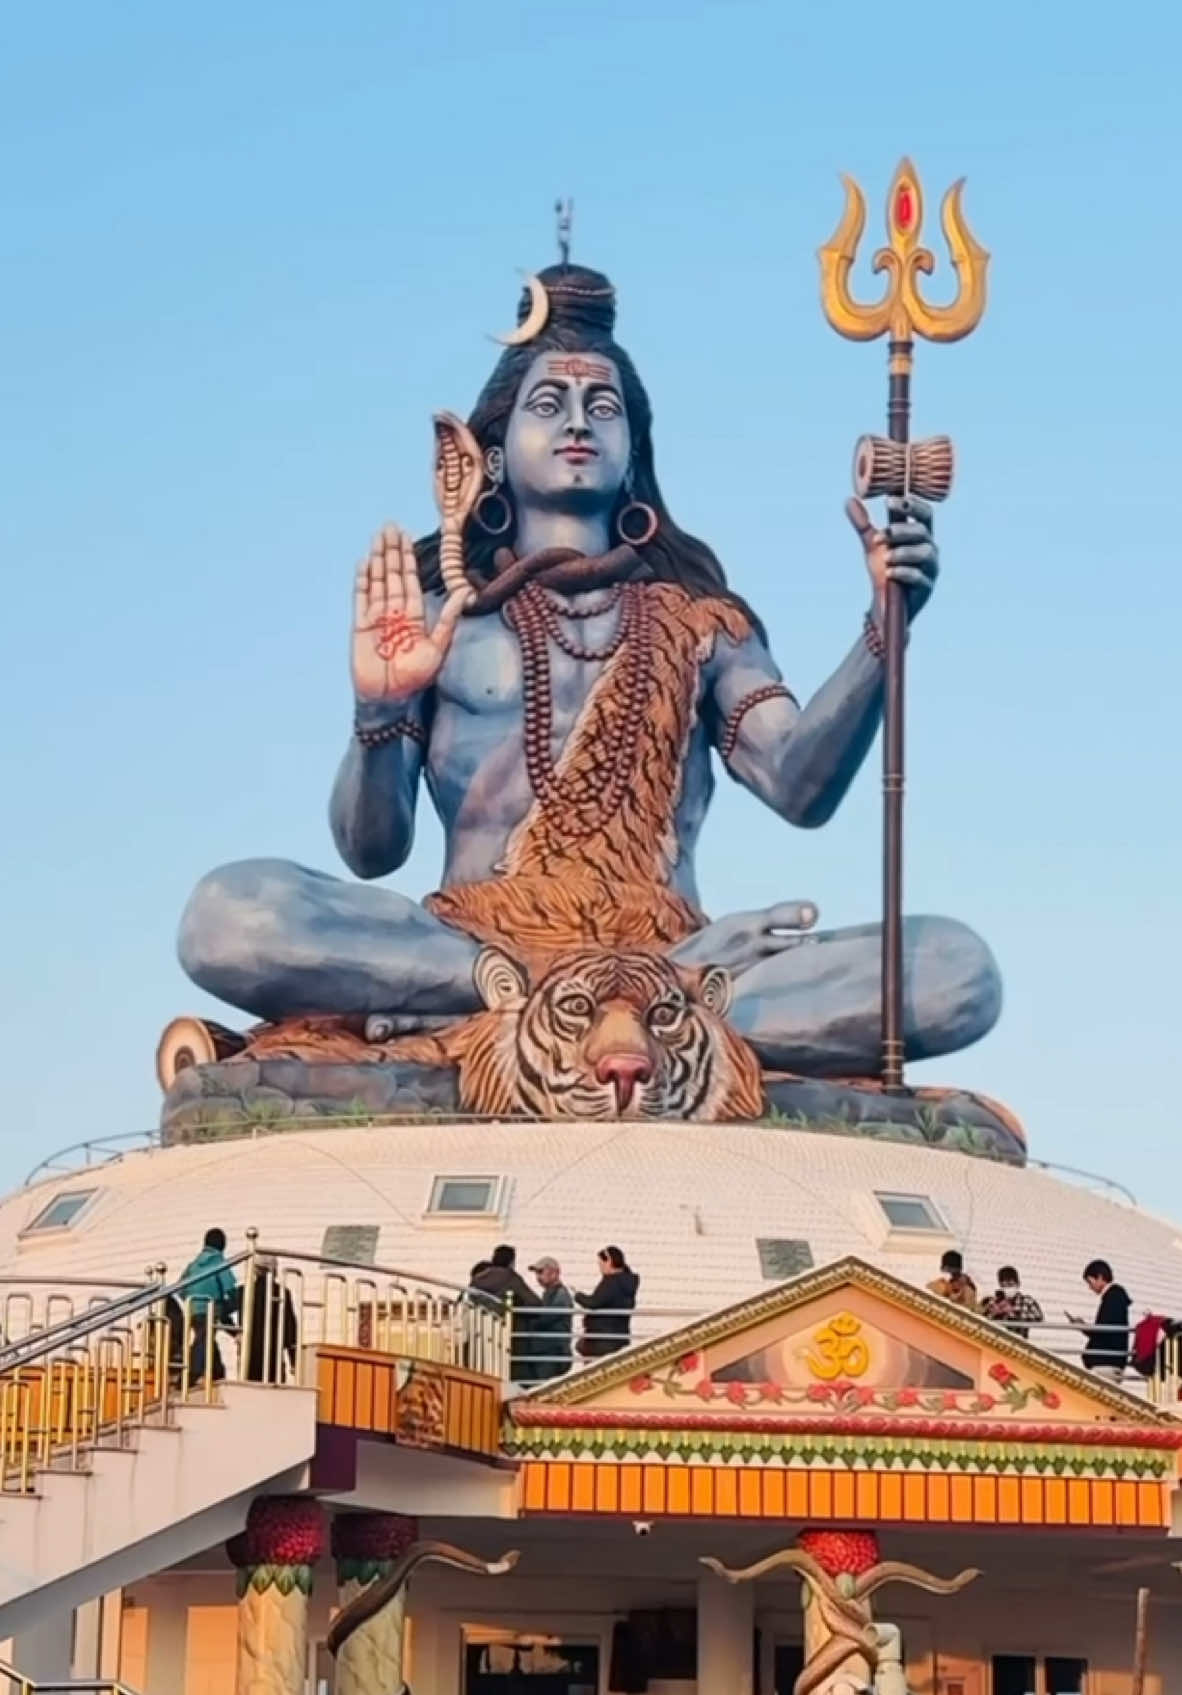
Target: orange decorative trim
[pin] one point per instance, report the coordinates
(414, 1402)
(855, 1497)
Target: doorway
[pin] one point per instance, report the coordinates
(530, 1665)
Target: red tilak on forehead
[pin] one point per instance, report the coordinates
(574, 365)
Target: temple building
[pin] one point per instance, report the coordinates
(788, 1384)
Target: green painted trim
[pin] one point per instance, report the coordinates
(850, 1452)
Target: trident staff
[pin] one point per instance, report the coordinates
(898, 467)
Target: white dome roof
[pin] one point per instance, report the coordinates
(689, 1204)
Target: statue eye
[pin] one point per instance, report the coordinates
(544, 406)
(605, 408)
(576, 1005)
(666, 1015)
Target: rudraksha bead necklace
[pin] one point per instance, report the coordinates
(581, 801)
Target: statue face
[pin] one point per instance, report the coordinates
(568, 442)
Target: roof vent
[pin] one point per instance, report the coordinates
(781, 1257)
(466, 1197)
(357, 1244)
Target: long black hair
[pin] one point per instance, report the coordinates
(581, 320)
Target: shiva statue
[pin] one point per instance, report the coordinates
(561, 663)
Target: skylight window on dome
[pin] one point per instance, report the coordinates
(915, 1213)
(61, 1211)
(465, 1197)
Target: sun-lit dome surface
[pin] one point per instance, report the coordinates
(706, 1213)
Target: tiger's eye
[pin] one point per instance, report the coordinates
(665, 1016)
(576, 1006)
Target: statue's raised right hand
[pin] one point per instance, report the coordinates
(395, 655)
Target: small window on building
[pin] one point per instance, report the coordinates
(1065, 1674)
(471, 1197)
(1014, 1674)
(911, 1212)
(61, 1211)
(355, 1243)
(781, 1257)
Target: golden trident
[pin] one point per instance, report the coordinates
(899, 466)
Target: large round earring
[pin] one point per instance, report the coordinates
(648, 518)
(492, 511)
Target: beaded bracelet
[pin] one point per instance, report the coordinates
(390, 733)
(730, 729)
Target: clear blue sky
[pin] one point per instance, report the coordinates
(246, 251)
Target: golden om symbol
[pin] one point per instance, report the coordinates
(841, 1352)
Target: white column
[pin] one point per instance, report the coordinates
(88, 1625)
(726, 1631)
(168, 1627)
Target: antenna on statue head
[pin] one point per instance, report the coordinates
(563, 212)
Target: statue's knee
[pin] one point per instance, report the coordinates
(956, 984)
(224, 916)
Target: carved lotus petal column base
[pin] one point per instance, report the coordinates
(275, 1554)
(366, 1546)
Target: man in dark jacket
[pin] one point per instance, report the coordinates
(552, 1324)
(271, 1349)
(501, 1281)
(607, 1326)
(1106, 1346)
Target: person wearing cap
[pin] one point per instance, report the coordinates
(553, 1325)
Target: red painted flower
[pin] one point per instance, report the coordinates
(1050, 1400)
(949, 1401)
(986, 1402)
(1002, 1374)
(819, 1392)
(704, 1389)
(688, 1362)
(770, 1392)
(641, 1385)
(908, 1397)
(284, 1530)
(372, 1536)
(865, 1397)
(736, 1393)
(838, 1551)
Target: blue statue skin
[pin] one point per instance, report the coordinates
(278, 940)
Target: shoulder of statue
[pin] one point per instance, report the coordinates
(707, 615)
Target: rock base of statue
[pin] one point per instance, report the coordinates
(224, 1096)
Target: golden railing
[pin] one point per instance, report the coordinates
(12, 1682)
(89, 1379)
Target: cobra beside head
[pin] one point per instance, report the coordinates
(459, 474)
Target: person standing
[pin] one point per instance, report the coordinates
(607, 1326)
(1010, 1305)
(210, 1299)
(954, 1282)
(553, 1325)
(502, 1281)
(274, 1337)
(1106, 1341)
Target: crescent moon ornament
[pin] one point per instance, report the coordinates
(535, 322)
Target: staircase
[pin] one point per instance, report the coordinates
(116, 1461)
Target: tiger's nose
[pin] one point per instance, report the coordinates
(623, 1071)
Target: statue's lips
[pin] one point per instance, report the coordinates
(577, 455)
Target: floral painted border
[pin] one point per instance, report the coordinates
(687, 1378)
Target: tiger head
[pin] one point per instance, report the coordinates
(604, 1035)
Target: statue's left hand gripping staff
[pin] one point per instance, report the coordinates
(371, 1601)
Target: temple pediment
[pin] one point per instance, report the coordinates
(846, 1394)
(848, 1341)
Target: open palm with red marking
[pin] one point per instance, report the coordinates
(395, 655)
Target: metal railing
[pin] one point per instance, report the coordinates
(13, 1682)
(548, 1351)
(99, 1374)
